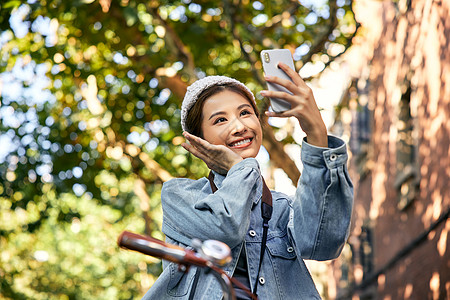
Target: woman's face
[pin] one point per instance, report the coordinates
(229, 120)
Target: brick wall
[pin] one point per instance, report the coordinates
(399, 103)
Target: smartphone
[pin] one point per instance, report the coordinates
(270, 60)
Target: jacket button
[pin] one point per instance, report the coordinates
(252, 233)
(262, 280)
(290, 249)
(333, 157)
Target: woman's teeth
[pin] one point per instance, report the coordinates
(241, 142)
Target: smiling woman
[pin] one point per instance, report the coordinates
(229, 120)
(197, 95)
(221, 126)
(224, 114)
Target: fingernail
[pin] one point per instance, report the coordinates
(263, 93)
(268, 77)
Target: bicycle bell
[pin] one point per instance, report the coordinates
(217, 252)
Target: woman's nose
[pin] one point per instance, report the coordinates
(237, 126)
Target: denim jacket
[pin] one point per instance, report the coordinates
(314, 224)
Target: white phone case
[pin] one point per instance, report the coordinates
(270, 60)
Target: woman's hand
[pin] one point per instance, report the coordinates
(217, 157)
(303, 106)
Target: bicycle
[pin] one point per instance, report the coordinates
(209, 254)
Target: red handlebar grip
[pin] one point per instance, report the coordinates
(154, 247)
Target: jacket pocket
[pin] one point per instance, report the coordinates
(180, 282)
(279, 246)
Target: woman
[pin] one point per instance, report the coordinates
(220, 122)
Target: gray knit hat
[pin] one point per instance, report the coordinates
(195, 89)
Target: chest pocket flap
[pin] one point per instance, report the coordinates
(180, 281)
(280, 246)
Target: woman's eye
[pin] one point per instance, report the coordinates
(245, 112)
(219, 120)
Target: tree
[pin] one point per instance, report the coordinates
(90, 108)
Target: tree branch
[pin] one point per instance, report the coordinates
(277, 154)
(347, 46)
(231, 14)
(175, 84)
(275, 21)
(324, 37)
(176, 44)
(141, 193)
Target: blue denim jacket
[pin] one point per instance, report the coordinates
(314, 224)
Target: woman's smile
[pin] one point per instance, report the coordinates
(229, 119)
(241, 143)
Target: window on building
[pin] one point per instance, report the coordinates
(361, 125)
(357, 265)
(406, 181)
(366, 251)
(347, 262)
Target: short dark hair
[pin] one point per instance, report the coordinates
(195, 115)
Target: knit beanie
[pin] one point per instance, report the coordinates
(195, 89)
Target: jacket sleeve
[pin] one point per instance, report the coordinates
(190, 210)
(321, 211)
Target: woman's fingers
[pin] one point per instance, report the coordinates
(194, 151)
(283, 114)
(288, 84)
(298, 81)
(199, 143)
(197, 146)
(192, 138)
(217, 157)
(296, 85)
(276, 94)
(303, 105)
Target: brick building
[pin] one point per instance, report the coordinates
(397, 120)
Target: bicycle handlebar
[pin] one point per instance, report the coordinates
(154, 247)
(211, 253)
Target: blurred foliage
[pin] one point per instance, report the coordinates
(90, 106)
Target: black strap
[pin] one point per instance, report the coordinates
(194, 284)
(211, 182)
(266, 214)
